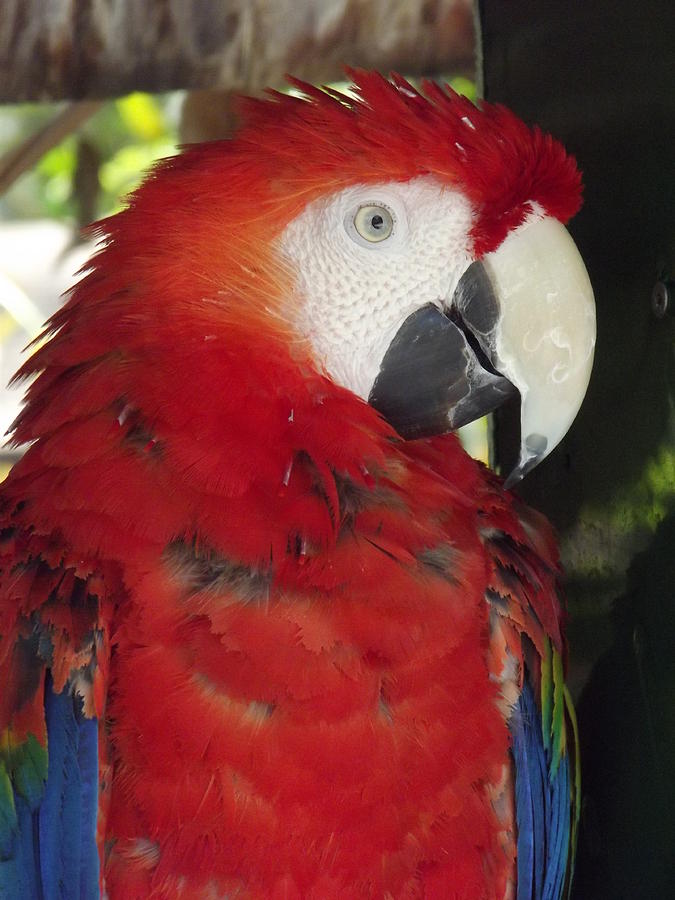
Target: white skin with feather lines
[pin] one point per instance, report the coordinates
(354, 292)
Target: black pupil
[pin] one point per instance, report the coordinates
(377, 221)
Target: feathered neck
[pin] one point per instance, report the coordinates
(149, 438)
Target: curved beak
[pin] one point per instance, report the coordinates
(521, 319)
(543, 337)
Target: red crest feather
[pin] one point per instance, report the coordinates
(388, 130)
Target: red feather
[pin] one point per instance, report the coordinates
(301, 697)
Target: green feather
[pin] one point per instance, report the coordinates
(25, 765)
(576, 781)
(7, 809)
(546, 695)
(30, 773)
(8, 820)
(558, 722)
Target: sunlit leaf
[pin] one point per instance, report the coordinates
(61, 160)
(464, 86)
(142, 116)
(125, 170)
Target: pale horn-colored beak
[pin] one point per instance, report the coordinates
(540, 334)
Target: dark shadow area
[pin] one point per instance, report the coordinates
(599, 76)
(627, 725)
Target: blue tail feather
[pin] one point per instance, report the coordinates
(542, 806)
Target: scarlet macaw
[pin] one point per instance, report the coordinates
(266, 630)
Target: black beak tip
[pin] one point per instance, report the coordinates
(514, 478)
(533, 450)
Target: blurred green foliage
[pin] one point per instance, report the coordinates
(88, 175)
(463, 86)
(122, 139)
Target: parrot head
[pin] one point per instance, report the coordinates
(440, 279)
(408, 247)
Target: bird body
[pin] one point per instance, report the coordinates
(255, 644)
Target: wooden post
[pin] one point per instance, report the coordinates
(600, 76)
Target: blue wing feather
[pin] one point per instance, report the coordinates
(53, 853)
(525, 814)
(88, 763)
(542, 806)
(559, 841)
(19, 869)
(59, 825)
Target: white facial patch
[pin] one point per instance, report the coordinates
(357, 286)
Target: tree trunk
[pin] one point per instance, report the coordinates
(98, 48)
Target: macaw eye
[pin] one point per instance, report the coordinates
(374, 223)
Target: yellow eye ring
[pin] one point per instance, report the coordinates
(374, 223)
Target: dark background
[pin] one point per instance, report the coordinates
(601, 77)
